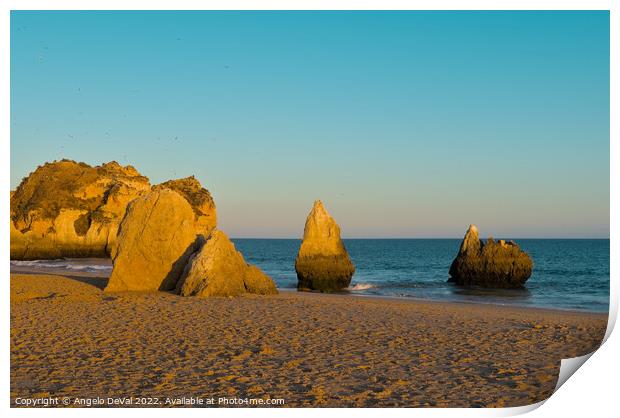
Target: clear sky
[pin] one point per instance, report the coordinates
(406, 124)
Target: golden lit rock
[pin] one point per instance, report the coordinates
(155, 240)
(70, 209)
(322, 262)
(200, 200)
(218, 269)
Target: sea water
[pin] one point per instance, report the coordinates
(568, 273)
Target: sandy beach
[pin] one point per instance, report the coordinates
(69, 338)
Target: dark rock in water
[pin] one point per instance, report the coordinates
(322, 263)
(326, 273)
(494, 264)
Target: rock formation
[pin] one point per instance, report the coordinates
(70, 209)
(155, 240)
(218, 269)
(199, 198)
(257, 282)
(155, 235)
(492, 264)
(322, 262)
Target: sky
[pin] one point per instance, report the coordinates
(405, 124)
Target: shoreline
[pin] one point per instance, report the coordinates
(99, 275)
(456, 302)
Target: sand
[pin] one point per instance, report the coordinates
(69, 339)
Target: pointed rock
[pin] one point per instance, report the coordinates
(492, 264)
(218, 269)
(471, 242)
(155, 240)
(322, 262)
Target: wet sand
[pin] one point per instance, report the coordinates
(69, 338)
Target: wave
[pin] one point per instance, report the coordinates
(62, 264)
(362, 286)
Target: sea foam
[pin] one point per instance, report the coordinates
(362, 286)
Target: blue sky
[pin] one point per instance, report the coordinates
(406, 124)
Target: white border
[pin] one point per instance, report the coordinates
(592, 392)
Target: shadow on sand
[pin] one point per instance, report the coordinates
(100, 282)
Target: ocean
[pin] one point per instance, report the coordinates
(568, 274)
